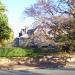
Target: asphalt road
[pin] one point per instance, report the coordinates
(39, 72)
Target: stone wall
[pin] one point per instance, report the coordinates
(47, 61)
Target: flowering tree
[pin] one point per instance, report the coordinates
(58, 17)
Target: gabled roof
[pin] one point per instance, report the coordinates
(31, 31)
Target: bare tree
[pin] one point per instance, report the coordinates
(43, 8)
(46, 11)
(69, 7)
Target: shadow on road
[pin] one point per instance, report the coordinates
(68, 69)
(17, 72)
(46, 65)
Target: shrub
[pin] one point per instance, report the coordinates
(19, 52)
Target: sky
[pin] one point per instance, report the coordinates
(15, 13)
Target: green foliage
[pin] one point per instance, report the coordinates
(68, 39)
(4, 43)
(2, 8)
(34, 52)
(19, 52)
(5, 30)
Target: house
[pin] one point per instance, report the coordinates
(16, 42)
(41, 35)
(33, 37)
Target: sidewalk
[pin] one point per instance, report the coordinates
(16, 67)
(70, 65)
(22, 67)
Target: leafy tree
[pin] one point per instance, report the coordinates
(2, 8)
(5, 30)
(68, 36)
